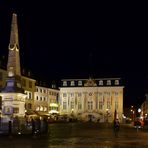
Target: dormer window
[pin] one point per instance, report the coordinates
(108, 82)
(79, 83)
(64, 83)
(72, 83)
(116, 82)
(100, 82)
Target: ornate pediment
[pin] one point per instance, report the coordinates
(90, 82)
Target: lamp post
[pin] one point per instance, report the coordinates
(107, 113)
(133, 112)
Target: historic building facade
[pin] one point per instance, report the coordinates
(92, 99)
(46, 100)
(84, 99)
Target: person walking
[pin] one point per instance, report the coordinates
(116, 127)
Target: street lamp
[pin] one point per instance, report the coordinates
(133, 112)
(107, 113)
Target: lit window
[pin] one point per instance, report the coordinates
(41, 108)
(64, 95)
(100, 105)
(37, 109)
(100, 82)
(15, 110)
(108, 82)
(72, 94)
(90, 105)
(79, 106)
(79, 83)
(79, 94)
(116, 82)
(72, 83)
(116, 93)
(64, 83)
(64, 105)
(72, 105)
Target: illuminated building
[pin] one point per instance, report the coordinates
(46, 101)
(92, 99)
(28, 84)
(84, 99)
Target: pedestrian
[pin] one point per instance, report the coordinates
(33, 127)
(116, 127)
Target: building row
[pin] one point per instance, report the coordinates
(83, 99)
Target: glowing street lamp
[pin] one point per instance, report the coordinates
(107, 113)
(133, 112)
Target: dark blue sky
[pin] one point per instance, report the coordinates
(76, 40)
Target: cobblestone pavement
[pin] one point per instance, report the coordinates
(80, 135)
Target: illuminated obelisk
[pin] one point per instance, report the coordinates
(13, 97)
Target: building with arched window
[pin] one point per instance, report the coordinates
(94, 99)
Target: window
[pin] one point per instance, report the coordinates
(44, 91)
(15, 110)
(100, 93)
(100, 82)
(37, 98)
(37, 108)
(79, 94)
(40, 90)
(37, 89)
(72, 83)
(45, 108)
(30, 84)
(100, 105)
(79, 83)
(72, 94)
(29, 105)
(30, 95)
(116, 104)
(116, 82)
(64, 95)
(64, 83)
(108, 105)
(23, 82)
(64, 105)
(90, 105)
(108, 82)
(40, 98)
(79, 106)
(116, 93)
(72, 105)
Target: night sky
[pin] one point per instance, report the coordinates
(78, 40)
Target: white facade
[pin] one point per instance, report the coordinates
(92, 99)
